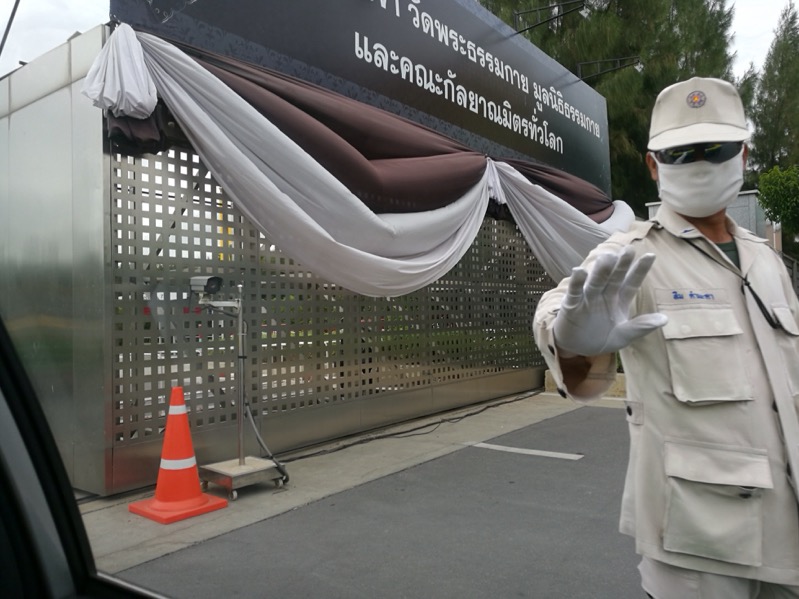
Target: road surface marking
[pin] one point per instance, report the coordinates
(545, 454)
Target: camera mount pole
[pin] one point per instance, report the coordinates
(240, 471)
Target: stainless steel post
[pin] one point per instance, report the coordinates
(240, 382)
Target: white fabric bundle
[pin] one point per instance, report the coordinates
(119, 81)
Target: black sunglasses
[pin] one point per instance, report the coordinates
(716, 153)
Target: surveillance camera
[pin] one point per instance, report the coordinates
(209, 285)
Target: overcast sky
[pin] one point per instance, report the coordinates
(40, 25)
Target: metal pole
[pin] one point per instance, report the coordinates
(240, 406)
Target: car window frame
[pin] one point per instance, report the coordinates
(40, 516)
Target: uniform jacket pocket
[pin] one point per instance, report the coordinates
(714, 504)
(789, 341)
(698, 339)
(786, 319)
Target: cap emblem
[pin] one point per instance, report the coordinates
(696, 99)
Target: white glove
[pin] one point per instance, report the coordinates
(594, 316)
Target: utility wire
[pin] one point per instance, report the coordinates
(8, 26)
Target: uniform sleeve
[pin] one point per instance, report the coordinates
(582, 378)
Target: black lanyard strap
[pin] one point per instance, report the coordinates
(745, 284)
(773, 322)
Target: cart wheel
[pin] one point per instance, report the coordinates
(233, 495)
(204, 485)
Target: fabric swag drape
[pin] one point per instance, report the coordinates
(369, 200)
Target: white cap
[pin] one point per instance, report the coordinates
(696, 111)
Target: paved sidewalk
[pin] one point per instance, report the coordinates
(491, 502)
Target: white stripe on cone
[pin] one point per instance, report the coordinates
(178, 464)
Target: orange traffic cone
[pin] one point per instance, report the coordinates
(177, 491)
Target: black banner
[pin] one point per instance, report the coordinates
(448, 64)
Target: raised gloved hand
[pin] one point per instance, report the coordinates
(594, 316)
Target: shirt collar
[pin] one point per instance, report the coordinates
(679, 227)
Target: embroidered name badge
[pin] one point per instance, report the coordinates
(688, 297)
(681, 295)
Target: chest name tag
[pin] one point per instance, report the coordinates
(678, 295)
(691, 296)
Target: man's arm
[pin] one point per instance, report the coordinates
(581, 378)
(581, 323)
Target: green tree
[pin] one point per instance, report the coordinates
(775, 112)
(779, 196)
(747, 88)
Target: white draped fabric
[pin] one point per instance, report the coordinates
(558, 234)
(310, 215)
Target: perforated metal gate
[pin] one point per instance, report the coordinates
(322, 362)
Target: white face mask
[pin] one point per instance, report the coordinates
(700, 188)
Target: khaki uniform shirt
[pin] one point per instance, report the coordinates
(711, 406)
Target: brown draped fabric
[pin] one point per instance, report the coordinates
(390, 163)
(585, 196)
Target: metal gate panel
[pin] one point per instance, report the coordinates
(102, 283)
(322, 362)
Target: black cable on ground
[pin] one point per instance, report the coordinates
(280, 467)
(412, 432)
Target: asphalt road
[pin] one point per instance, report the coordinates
(480, 522)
